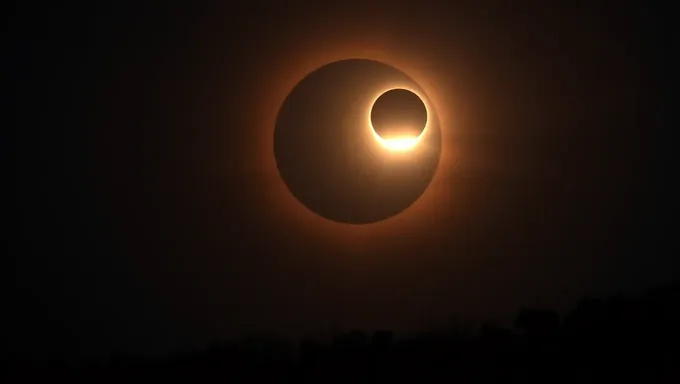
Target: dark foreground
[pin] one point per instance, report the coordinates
(610, 340)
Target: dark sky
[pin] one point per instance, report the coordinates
(148, 216)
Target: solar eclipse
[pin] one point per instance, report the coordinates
(356, 141)
(398, 118)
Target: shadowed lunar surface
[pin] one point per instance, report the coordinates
(329, 156)
(398, 113)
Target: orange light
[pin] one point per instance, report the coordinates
(268, 93)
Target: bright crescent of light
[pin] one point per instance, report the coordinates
(398, 144)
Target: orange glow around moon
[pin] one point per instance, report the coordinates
(399, 143)
(293, 64)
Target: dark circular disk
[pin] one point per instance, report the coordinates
(398, 113)
(330, 158)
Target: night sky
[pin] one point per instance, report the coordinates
(149, 216)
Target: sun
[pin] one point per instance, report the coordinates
(397, 143)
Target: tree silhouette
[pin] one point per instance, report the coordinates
(631, 339)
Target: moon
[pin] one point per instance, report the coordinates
(341, 152)
(398, 118)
